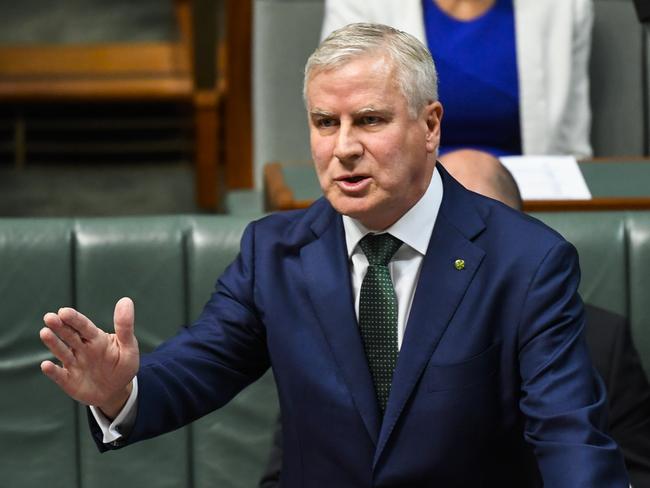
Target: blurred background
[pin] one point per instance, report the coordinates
(111, 107)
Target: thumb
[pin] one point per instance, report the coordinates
(124, 320)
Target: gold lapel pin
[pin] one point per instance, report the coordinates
(459, 264)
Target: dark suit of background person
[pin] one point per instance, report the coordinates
(643, 10)
(614, 356)
(493, 373)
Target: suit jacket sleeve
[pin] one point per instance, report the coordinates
(562, 399)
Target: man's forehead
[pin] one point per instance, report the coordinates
(372, 60)
(364, 84)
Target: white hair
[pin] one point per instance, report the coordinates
(416, 75)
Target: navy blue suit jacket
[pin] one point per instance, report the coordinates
(493, 385)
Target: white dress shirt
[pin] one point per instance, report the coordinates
(413, 229)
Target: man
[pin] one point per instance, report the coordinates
(608, 337)
(492, 372)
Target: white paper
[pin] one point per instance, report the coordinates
(547, 177)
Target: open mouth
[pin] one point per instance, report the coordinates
(354, 179)
(354, 183)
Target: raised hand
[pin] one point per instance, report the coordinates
(96, 367)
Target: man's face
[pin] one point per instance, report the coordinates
(373, 159)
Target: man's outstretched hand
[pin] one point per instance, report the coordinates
(96, 367)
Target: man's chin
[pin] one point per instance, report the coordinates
(354, 208)
(370, 216)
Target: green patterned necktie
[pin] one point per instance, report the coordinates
(378, 312)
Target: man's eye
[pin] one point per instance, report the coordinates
(370, 120)
(325, 123)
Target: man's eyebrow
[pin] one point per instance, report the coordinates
(320, 113)
(358, 113)
(372, 110)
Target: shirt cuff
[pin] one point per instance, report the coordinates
(122, 424)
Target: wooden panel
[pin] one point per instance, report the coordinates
(140, 72)
(204, 44)
(277, 194)
(208, 175)
(107, 89)
(594, 204)
(183, 14)
(238, 120)
(92, 60)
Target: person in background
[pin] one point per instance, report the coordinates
(513, 73)
(608, 336)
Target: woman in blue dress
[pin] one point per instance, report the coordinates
(513, 74)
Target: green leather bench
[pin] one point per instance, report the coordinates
(168, 265)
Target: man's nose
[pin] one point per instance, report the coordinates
(348, 147)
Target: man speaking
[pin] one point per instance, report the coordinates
(420, 335)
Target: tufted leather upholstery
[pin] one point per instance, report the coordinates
(168, 266)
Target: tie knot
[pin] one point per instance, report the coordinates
(379, 248)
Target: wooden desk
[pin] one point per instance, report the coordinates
(126, 72)
(615, 184)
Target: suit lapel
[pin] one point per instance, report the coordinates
(326, 269)
(440, 289)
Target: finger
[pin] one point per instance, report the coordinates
(56, 346)
(124, 320)
(51, 319)
(64, 332)
(79, 322)
(56, 373)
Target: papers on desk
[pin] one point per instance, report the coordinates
(547, 177)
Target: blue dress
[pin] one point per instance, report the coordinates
(478, 85)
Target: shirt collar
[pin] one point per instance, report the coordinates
(413, 228)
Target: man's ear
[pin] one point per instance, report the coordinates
(433, 117)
